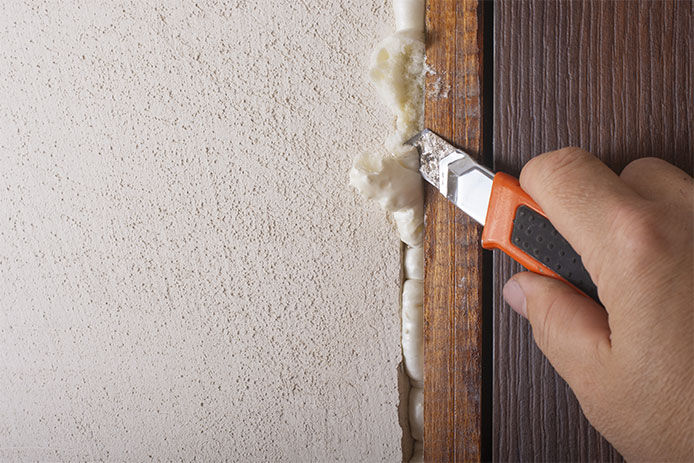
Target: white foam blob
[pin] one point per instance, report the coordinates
(410, 223)
(409, 14)
(396, 69)
(387, 179)
(418, 453)
(391, 178)
(412, 348)
(416, 412)
(414, 263)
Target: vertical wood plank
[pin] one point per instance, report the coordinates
(453, 257)
(614, 78)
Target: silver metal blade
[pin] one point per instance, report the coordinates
(457, 176)
(432, 149)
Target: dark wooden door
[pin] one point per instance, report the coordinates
(614, 78)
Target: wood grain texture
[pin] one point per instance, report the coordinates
(614, 78)
(453, 257)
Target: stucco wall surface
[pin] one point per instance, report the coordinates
(184, 271)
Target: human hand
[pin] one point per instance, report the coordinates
(631, 365)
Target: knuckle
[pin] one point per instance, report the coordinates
(570, 154)
(638, 229)
(555, 166)
(639, 166)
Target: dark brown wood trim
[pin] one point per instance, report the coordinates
(614, 78)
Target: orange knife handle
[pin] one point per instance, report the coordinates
(516, 225)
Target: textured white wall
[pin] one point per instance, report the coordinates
(183, 270)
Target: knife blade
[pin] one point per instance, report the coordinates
(513, 222)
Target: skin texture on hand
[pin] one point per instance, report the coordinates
(631, 364)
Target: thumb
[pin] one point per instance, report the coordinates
(569, 328)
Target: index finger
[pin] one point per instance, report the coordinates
(582, 197)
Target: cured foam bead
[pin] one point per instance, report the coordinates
(410, 223)
(414, 263)
(418, 453)
(416, 412)
(409, 14)
(412, 348)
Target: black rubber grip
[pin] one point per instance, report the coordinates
(535, 235)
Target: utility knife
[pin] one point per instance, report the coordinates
(513, 222)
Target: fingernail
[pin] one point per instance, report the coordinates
(514, 296)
